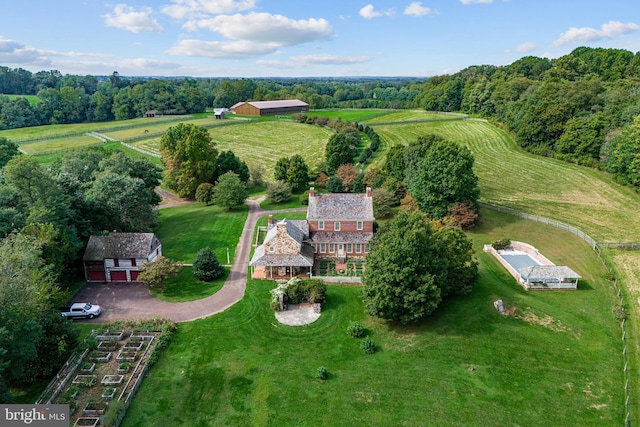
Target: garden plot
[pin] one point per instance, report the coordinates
(109, 373)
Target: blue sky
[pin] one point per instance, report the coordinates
(263, 38)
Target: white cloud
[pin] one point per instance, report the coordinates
(325, 59)
(126, 17)
(475, 1)
(587, 34)
(189, 9)
(222, 49)
(267, 28)
(416, 9)
(304, 61)
(368, 12)
(14, 52)
(524, 47)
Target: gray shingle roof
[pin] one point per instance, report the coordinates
(303, 259)
(278, 104)
(120, 245)
(293, 230)
(341, 237)
(340, 206)
(548, 272)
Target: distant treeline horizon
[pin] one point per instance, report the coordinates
(580, 107)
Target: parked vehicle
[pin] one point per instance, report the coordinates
(79, 310)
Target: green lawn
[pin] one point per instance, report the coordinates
(265, 142)
(186, 287)
(582, 197)
(33, 99)
(555, 362)
(184, 230)
(60, 144)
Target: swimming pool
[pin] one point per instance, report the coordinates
(517, 259)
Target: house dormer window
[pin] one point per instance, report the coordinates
(336, 226)
(116, 262)
(359, 225)
(272, 249)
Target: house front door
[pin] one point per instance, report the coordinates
(340, 250)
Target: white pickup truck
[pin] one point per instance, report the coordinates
(81, 310)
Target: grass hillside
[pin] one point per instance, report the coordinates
(583, 197)
(267, 141)
(555, 360)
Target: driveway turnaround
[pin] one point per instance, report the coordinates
(132, 300)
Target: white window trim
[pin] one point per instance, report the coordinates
(349, 248)
(332, 248)
(323, 247)
(359, 225)
(336, 226)
(320, 225)
(358, 248)
(272, 249)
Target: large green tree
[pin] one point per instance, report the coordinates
(227, 161)
(34, 339)
(189, 155)
(442, 178)
(412, 265)
(338, 152)
(230, 192)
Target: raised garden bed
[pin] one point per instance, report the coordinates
(109, 393)
(101, 356)
(112, 379)
(87, 422)
(94, 408)
(88, 368)
(108, 345)
(124, 368)
(141, 338)
(126, 356)
(133, 346)
(110, 336)
(85, 380)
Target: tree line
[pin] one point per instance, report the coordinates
(581, 107)
(77, 99)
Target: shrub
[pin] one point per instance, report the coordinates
(322, 373)
(304, 198)
(315, 290)
(206, 266)
(278, 192)
(501, 244)
(355, 330)
(334, 185)
(368, 346)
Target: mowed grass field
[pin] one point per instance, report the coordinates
(582, 197)
(555, 360)
(68, 143)
(265, 142)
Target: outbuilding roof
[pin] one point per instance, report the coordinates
(266, 105)
(340, 206)
(548, 272)
(120, 245)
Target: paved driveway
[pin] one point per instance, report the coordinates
(133, 300)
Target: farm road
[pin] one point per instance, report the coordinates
(133, 300)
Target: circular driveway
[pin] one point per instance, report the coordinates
(125, 300)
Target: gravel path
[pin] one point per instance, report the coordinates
(133, 300)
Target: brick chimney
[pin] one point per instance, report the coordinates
(368, 191)
(312, 192)
(270, 219)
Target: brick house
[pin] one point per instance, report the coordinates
(117, 257)
(339, 226)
